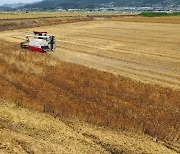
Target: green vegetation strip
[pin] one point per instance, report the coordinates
(159, 14)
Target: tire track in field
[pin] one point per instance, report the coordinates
(114, 53)
(130, 71)
(133, 62)
(117, 70)
(92, 41)
(117, 67)
(138, 34)
(124, 39)
(117, 49)
(131, 49)
(130, 43)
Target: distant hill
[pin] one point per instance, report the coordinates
(99, 3)
(4, 8)
(15, 5)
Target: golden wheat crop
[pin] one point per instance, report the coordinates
(146, 52)
(68, 90)
(18, 20)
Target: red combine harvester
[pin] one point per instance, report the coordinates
(39, 42)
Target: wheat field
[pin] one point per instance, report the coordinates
(27, 131)
(146, 52)
(52, 14)
(120, 75)
(72, 91)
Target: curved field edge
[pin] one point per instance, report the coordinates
(67, 90)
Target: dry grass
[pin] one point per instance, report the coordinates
(15, 20)
(113, 16)
(12, 15)
(68, 90)
(146, 52)
(10, 21)
(173, 20)
(137, 50)
(25, 131)
(29, 23)
(20, 15)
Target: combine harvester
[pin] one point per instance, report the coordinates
(39, 42)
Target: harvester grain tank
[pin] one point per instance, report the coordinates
(39, 42)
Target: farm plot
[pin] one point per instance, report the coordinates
(147, 52)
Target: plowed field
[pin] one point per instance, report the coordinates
(147, 52)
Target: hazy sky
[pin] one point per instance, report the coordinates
(16, 1)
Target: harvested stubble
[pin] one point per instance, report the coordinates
(67, 90)
(11, 24)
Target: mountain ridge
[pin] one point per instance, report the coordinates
(14, 5)
(47, 4)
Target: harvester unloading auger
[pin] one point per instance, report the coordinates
(39, 42)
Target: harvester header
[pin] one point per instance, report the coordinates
(39, 42)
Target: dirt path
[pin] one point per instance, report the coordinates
(25, 131)
(147, 52)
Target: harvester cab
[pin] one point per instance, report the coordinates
(39, 42)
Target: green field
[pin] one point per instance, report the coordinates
(159, 14)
